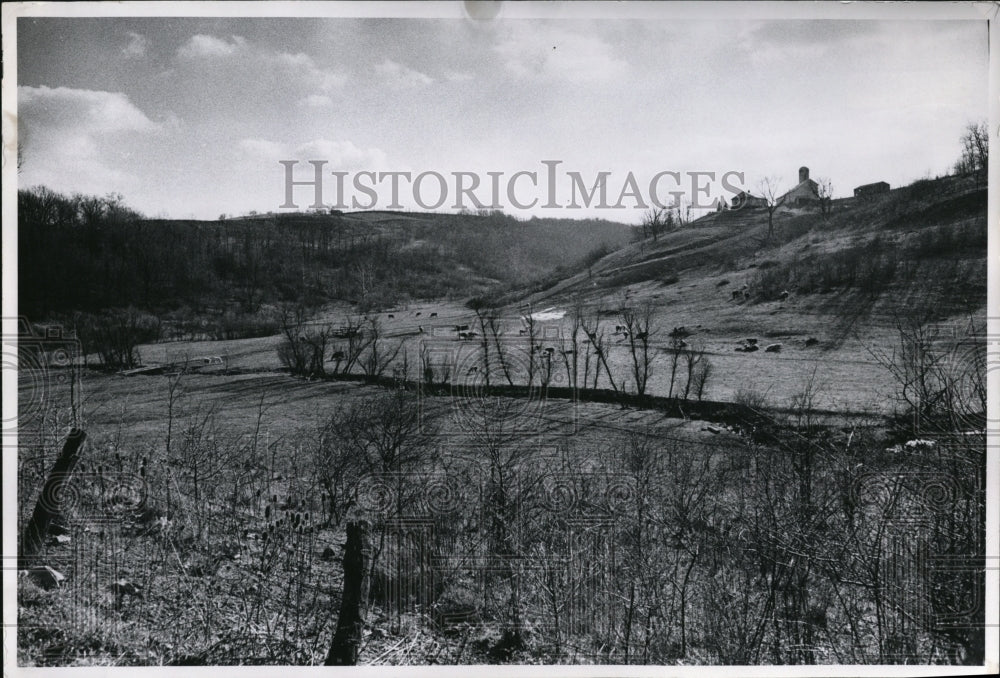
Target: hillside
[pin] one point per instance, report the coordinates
(852, 278)
(90, 254)
(253, 466)
(886, 249)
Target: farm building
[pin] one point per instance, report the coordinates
(869, 190)
(746, 199)
(805, 193)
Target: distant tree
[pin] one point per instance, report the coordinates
(702, 372)
(592, 329)
(824, 190)
(655, 222)
(379, 356)
(532, 330)
(676, 350)
(696, 375)
(770, 190)
(638, 324)
(679, 214)
(975, 151)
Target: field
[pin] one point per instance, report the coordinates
(601, 470)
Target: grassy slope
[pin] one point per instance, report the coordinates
(726, 251)
(716, 255)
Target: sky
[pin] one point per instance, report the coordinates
(189, 117)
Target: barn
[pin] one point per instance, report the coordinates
(804, 194)
(869, 190)
(746, 199)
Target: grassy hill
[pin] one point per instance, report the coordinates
(917, 248)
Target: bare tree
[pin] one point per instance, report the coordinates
(509, 483)
(595, 335)
(354, 341)
(700, 376)
(379, 357)
(975, 151)
(679, 215)
(676, 350)
(638, 324)
(531, 330)
(770, 190)
(482, 311)
(434, 371)
(695, 371)
(824, 189)
(573, 361)
(656, 221)
(492, 328)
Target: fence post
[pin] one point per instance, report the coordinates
(49, 504)
(350, 622)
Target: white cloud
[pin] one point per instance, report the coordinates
(266, 65)
(84, 110)
(551, 52)
(137, 47)
(82, 140)
(202, 46)
(400, 75)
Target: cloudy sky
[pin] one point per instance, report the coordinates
(189, 117)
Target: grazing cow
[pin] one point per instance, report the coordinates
(461, 328)
(420, 329)
(434, 315)
(522, 332)
(417, 314)
(783, 296)
(773, 348)
(812, 341)
(463, 335)
(737, 295)
(751, 340)
(392, 317)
